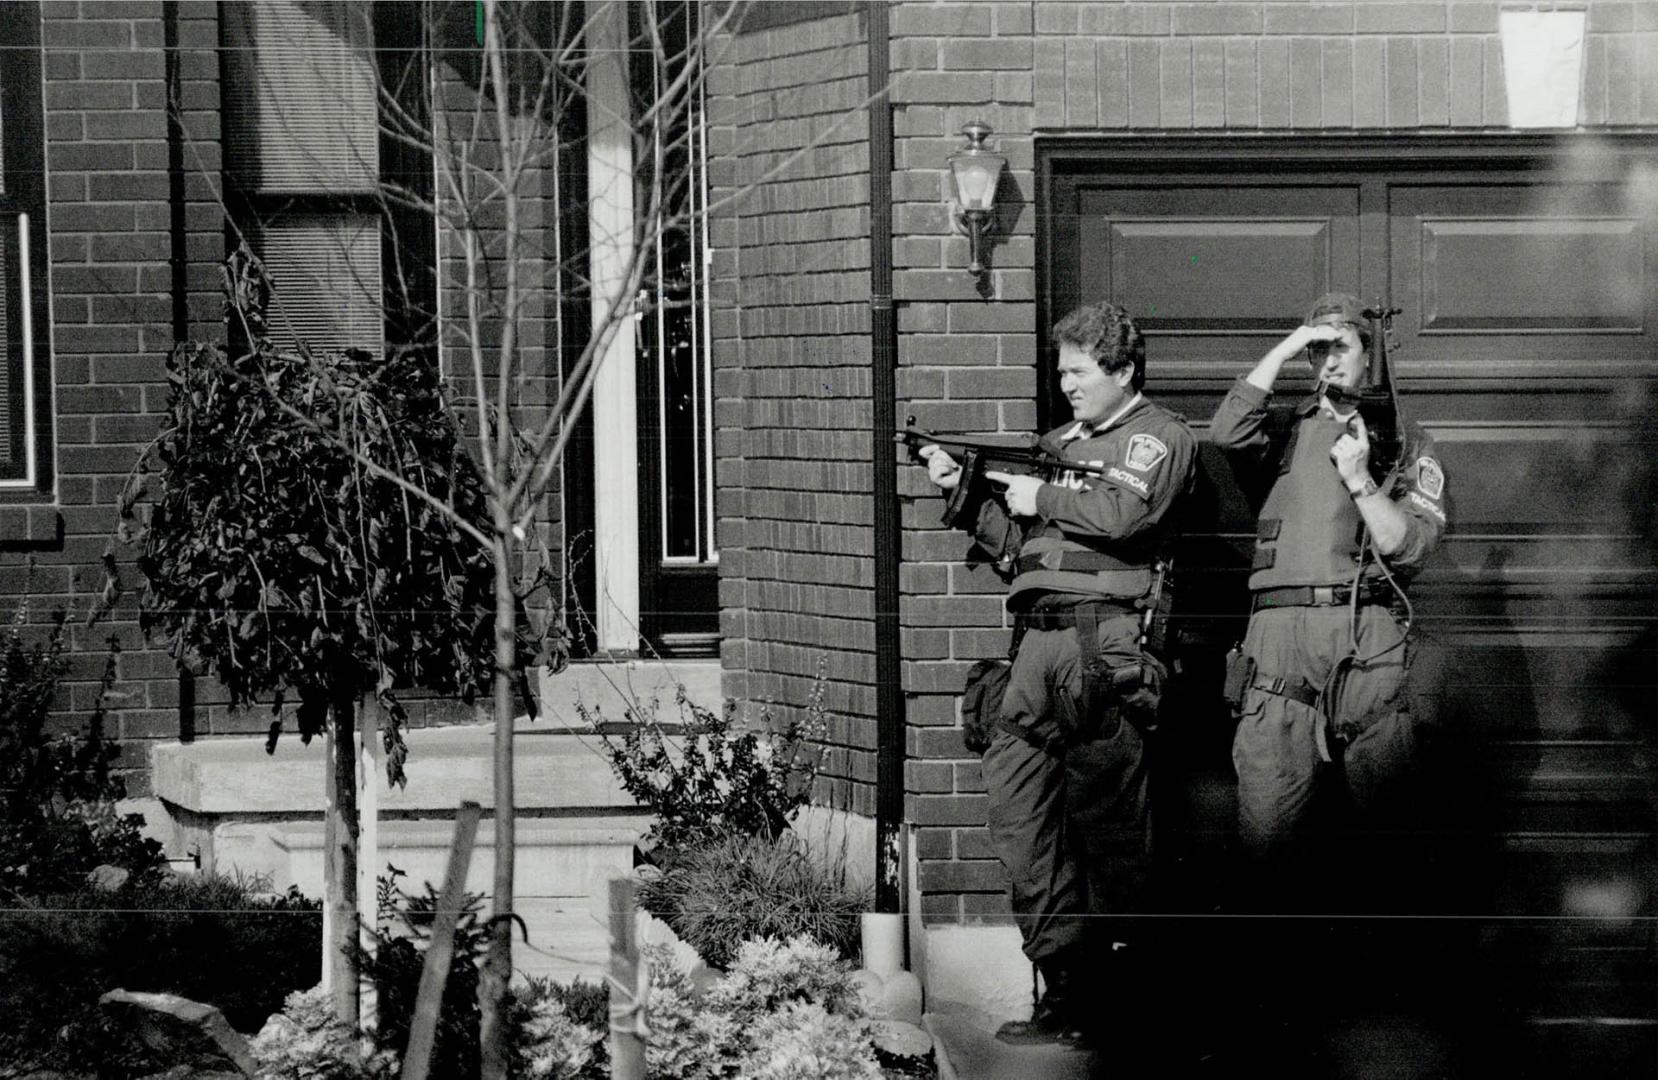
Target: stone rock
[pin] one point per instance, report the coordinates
(900, 999)
(896, 997)
(902, 1040)
(188, 1072)
(107, 878)
(177, 1029)
(868, 985)
(649, 930)
(279, 1028)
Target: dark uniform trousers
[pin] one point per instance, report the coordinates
(1073, 832)
(1284, 783)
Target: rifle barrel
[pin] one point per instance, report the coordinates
(1028, 455)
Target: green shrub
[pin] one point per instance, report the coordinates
(57, 793)
(559, 1031)
(212, 939)
(804, 1041)
(399, 957)
(785, 1010)
(734, 887)
(306, 1042)
(722, 777)
(556, 1031)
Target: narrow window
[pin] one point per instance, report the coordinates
(684, 414)
(25, 377)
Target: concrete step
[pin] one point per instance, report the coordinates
(557, 858)
(561, 864)
(607, 688)
(224, 778)
(965, 1048)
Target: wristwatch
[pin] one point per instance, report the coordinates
(1369, 488)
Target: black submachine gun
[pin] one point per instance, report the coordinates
(1025, 455)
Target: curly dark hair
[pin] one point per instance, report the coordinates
(1108, 334)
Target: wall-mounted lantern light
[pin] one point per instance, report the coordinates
(975, 173)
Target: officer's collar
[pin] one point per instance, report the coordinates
(1084, 430)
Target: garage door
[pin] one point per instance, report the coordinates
(1526, 347)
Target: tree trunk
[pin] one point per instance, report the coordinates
(493, 981)
(340, 865)
(368, 866)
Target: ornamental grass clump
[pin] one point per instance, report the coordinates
(734, 887)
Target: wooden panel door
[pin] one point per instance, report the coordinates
(1526, 273)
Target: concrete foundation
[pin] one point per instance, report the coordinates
(227, 806)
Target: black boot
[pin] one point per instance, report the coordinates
(1054, 1019)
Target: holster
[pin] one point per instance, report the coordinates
(1111, 695)
(1240, 673)
(1092, 721)
(1156, 606)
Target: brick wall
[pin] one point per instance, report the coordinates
(788, 147)
(110, 222)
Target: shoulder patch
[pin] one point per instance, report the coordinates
(1430, 478)
(1145, 451)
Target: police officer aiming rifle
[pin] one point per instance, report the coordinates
(1064, 748)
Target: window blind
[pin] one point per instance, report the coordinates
(300, 96)
(325, 280)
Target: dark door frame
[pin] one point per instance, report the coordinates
(1062, 162)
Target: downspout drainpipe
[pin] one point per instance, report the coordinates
(890, 883)
(179, 283)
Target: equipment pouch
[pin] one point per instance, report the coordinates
(1085, 720)
(963, 502)
(1240, 673)
(981, 702)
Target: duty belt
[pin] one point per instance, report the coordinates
(1062, 613)
(1319, 595)
(1294, 689)
(1052, 745)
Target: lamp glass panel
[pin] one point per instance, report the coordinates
(976, 176)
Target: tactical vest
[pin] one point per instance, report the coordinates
(1309, 530)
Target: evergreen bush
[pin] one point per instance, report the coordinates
(222, 941)
(57, 792)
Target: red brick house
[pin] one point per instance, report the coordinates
(1208, 164)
